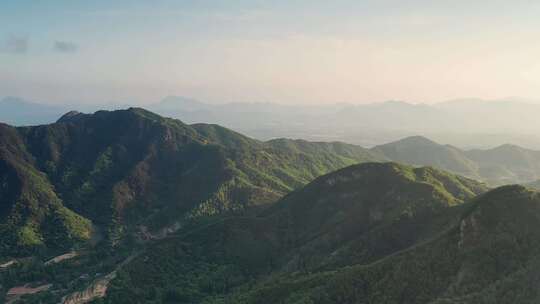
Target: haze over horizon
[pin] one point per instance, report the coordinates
(269, 151)
(300, 52)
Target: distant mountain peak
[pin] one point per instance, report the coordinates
(508, 147)
(70, 116)
(180, 103)
(417, 140)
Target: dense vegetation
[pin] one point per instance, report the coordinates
(157, 211)
(123, 169)
(359, 215)
(428, 247)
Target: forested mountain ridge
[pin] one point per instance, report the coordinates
(359, 215)
(364, 124)
(469, 124)
(380, 233)
(506, 164)
(127, 205)
(126, 168)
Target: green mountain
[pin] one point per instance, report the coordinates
(491, 255)
(507, 164)
(360, 215)
(418, 150)
(371, 233)
(32, 214)
(112, 173)
(130, 207)
(502, 165)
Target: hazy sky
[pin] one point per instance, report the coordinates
(283, 51)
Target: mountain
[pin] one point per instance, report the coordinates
(32, 213)
(173, 104)
(130, 207)
(421, 151)
(114, 172)
(19, 112)
(360, 215)
(465, 123)
(507, 163)
(371, 233)
(491, 255)
(501, 165)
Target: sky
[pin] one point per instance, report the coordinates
(293, 51)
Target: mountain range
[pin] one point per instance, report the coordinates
(128, 206)
(466, 123)
(132, 167)
(506, 164)
(370, 233)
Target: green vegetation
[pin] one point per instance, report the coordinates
(359, 215)
(123, 169)
(164, 212)
(502, 165)
(427, 247)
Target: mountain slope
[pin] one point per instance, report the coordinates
(505, 164)
(132, 168)
(421, 151)
(486, 251)
(495, 244)
(356, 215)
(32, 215)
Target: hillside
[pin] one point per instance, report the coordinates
(130, 206)
(421, 151)
(501, 165)
(357, 215)
(408, 240)
(122, 170)
(490, 256)
(388, 122)
(507, 164)
(32, 214)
